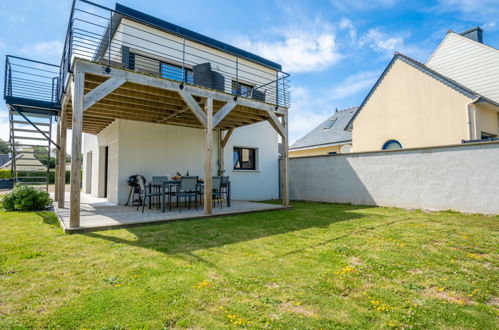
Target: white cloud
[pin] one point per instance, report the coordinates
(346, 24)
(381, 42)
(298, 49)
(485, 12)
(356, 5)
(4, 124)
(48, 50)
(354, 84)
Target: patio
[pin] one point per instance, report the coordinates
(98, 213)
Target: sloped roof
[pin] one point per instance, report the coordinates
(336, 134)
(423, 68)
(4, 158)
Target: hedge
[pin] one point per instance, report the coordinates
(7, 174)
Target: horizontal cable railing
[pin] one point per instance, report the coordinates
(33, 80)
(103, 35)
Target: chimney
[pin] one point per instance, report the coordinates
(474, 34)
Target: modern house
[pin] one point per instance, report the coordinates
(152, 98)
(329, 137)
(452, 98)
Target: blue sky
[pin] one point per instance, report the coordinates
(334, 50)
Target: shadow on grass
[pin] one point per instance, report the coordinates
(49, 218)
(188, 236)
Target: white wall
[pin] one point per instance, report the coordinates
(461, 177)
(262, 183)
(156, 149)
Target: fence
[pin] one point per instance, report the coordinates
(463, 178)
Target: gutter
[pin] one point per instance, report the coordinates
(468, 117)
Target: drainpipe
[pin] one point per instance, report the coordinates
(468, 117)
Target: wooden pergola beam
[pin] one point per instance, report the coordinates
(194, 106)
(208, 141)
(223, 112)
(62, 158)
(99, 92)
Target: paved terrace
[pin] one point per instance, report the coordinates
(98, 213)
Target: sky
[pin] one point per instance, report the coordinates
(334, 50)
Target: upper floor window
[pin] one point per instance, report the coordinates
(239, 88)
(329, 123)
(176, 72)
(392, 144)
(244, 158)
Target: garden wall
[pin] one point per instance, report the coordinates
(462, 177)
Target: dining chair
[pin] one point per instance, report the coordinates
(144, 195)
(188, 188)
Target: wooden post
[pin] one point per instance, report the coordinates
(220, 154)
(208, 146)
(284, 163)
(61, 188)
(57, 161)
(77, 125)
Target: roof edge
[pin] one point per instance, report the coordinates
(194, 36)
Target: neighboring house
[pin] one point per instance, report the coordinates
(330, 137)
(452, 98)
(25, 161)
(4, 158)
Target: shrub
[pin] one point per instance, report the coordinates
(25, 198)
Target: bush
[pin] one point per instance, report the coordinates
(26, 198)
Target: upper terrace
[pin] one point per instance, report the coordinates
(123, 64)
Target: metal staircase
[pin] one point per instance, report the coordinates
(31, 93)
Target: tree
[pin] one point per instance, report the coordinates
(4, 147)
(41, 153)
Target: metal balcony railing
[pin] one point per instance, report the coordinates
(31, 80)
(104, 35)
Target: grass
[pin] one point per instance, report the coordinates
(316, 266)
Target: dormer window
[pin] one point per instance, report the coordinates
(329, 124)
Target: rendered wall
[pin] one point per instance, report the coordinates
(413, 108)
(155, 149)
(315, 151)
(463, 178)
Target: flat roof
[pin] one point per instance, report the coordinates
(194, 36)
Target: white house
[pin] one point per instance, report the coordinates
(125, 147)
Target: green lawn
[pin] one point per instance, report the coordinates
(315, 266)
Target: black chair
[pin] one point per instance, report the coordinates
(188, 188)
(216, 185)
(144, 195)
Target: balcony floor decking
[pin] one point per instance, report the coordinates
(98, 213)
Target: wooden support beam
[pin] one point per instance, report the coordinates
(223, 112)
(101, 91)
(276, 124)
(142, 79)
(62, 158)
(195, 108)
(76, 159)
(226, 137)
(221, 165)
(284, 163)
(208, 147)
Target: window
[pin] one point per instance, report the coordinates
(176, 72)
(241, 89)
(329, 124)
(486, 136)
(244, 158)
(392, 144)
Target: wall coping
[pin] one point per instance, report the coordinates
(428, 149)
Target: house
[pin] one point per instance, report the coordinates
(453, 97)
(329, 137)
(4, 158)
(146, 96)
(25, 161)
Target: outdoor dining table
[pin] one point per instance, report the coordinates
(166, 186)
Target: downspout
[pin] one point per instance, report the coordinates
(468, 116)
